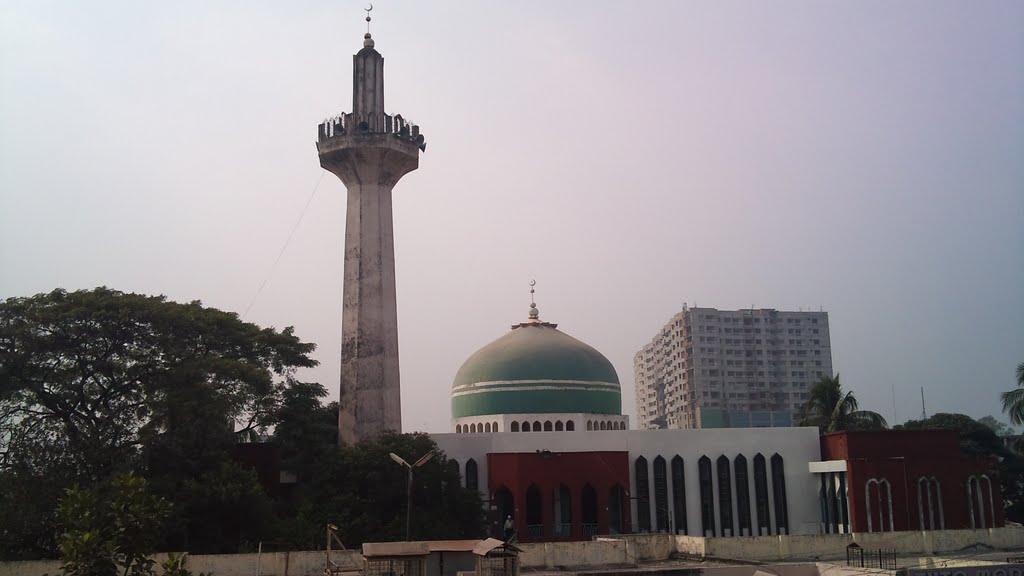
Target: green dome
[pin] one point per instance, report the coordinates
(536, 369)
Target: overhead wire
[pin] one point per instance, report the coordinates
(287, 241)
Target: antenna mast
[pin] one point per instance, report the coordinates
(924, 415)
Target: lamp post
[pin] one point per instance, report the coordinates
(408, 506)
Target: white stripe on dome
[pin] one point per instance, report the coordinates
(531, 388)
(538, 381)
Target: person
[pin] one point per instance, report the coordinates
(509, 528)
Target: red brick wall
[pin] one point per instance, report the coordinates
(902, 457)
(549, 470)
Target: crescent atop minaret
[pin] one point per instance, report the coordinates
(370, 9)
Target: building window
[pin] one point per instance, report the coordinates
(779, 492)
(929, 504)
(525, 426)
(515, 426)
(724, 495)
(558, 425)
(661, 495)
(679, 496)
(536, 426)
(458, 428)
(548, 427)
(707, 498)
(471, 478)
(570, 426)
(761, 496)
(878, 505)
(643, 507)
(742, 496)
(534, 512)
(979, 493)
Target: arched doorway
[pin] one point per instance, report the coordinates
(504, 504)
(589, 512)
(534, 512)
(616, 506)
(563, 512)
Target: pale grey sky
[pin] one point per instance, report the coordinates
(864, 157)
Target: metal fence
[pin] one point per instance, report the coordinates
(883, 559)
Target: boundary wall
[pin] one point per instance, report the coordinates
(607, 552)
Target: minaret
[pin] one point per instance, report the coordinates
(369, 151)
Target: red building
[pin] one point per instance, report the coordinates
(905, 480)
(560, 495)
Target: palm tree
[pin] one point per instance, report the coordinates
(831, 409)
(1013, 400)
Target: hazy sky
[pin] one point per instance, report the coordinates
(863, 157)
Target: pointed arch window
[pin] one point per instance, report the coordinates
(707, 498)
(929, 504)
(570, 426)
(764, 521)
(679, 495)
(878, 504)
(558, 426)
(661, 495)
(471, 479)
(779, 492)
(742, 496)
(643, 502)
(724, 495)
(515, 426)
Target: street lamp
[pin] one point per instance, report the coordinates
(408, 506)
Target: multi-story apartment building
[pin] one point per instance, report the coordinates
(710, 368)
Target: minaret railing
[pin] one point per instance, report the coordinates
(345, 124)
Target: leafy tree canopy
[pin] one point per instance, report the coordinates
(362, 491)
(998, 427)
(94, 383)
(833, 409)
(979, 440)
(93, 371)
(1013, 400)
(975, 437)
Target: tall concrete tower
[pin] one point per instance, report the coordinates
(369, 151)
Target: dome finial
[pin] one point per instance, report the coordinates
(367, 39)
(534, 312)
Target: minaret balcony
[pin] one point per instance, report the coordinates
(356, 130)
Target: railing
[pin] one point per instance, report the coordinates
(371, 124)
(563, 530)
(589, 530)
(535, 530)
(882, 559)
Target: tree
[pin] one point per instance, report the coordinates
(831, 409)
(95, 383)
(110, 534)
(977, 439)
(998, 427)
(363, 492)
(1013, 400)
(304, 429)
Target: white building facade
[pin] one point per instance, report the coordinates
(710, 368)
(729, 482)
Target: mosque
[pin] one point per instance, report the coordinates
(537, 422)
(539, 431)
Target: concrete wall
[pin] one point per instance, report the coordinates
(310, 563)
(618, 551)
(830, 546)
